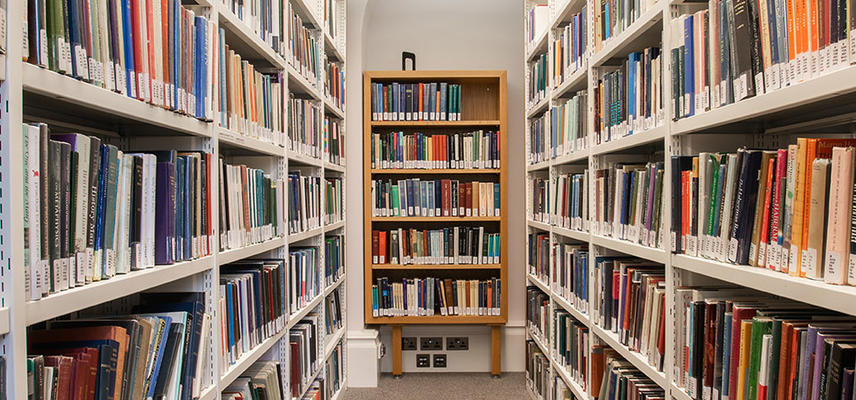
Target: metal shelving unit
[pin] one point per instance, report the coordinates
(818, 105)
(31, 93)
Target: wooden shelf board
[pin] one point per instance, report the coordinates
(434, 266)
(436, 219)
(438, 320)
(491, 122)
(415, 171)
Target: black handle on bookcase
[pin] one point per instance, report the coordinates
(405, 55)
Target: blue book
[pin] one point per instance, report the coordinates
(102, 197)
(202, 70)
(393, 89)
(443, 97)
(689, 67)
(158, 360)
(402, 101)
(180, 205)
(130, 82)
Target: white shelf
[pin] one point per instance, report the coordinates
(536, 46)
(80, 96)
(298, 315)
(334, 226)
(209, 393)
(565, 9)
(541, 165)
(545, 348)
(577, 80)
(230, 256)
(834, 297)
(572, 234)
(95, 293)
(630, 141)
(251, 45)
(789, 99)
(301, 236)
(334, 167)
(678, 393)
(296, 80)
(539, 225)
(305, 160)
(332, 108)
(634, 37)
(633, 249)
(539, 283)
(578, 391)
(567, 306)
(329, 289)
(539, 107)
(249, 358)
(575, 157)
(234, 139)
(635, 358)
(330, 344)
(330, 46)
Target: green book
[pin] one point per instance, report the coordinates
(760, 326)
(772, 380)
(714, 189)
(395, 202)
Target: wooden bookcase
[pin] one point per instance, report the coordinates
(483, 106)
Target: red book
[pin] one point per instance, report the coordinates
(775, 212)
(295, 369)
(765, 218)
(739, 312)
(382, 247)
(685, 207)
(165, 53)
(420, 103)
(661, 338)
(468, 200)
(137, 38)
(64, 369)
(447, 197)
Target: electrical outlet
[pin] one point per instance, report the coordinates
(439, 361)
(431, 343)
(457, 343)
(408, 343)
(423, 361)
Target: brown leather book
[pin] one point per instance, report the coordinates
(450, 304)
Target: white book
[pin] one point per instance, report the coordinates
(123, 217)
(704, 170)
(33, 211)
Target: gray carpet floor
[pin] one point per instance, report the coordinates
(440, 386)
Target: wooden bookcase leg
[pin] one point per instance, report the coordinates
(495, 350)
(396, 350)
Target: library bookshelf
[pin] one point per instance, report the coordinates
(815, 107)
(31, 93)
(483, 106)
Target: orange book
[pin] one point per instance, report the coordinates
(474, 202)
(420, 102)
(381, 247)
(791, 31)
(166, 54)
(799, 199)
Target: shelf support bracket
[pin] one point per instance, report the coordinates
(495, 350)
(396, 350)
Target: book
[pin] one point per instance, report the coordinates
(303, 340)
(303, 48)
(334, 259)
(570, 345)
(128, 48)
(627, 196)
(537, 19)
(415, 197)
(628, 98)
(334, 141)
(250, 102)
(390, 101)
(334, 202)
(539, 79)
(464, 150)
(429, 296)
(334, 83)
(304, 202)
(263, 378)
(839, 208)
(304, 283)
(253, 304)
(305, 120)
(569, 47)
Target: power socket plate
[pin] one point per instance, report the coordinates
(408, 343)
(430, 343)
(423, 361)
(439, 360)
(459, 343)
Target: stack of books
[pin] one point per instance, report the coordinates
(571, 346)
(334, 141)
(159, 351)
(249, 102)
(262, 379)
(569, 273)
(259, 284)
(628, 203)
(423, 101)
(569, 208)
(539, 80)
(538, 315)
(253, 206)
(157, 51)
(304, 202)
(538, 256)
(305, 120)
(334, 84)
(434, 198)
(333, 201)
(788, 210)
(570, 47)
(622, 381)
(569, 125)
(467, 150)
(303, 340)
(303, 278)
(537, 370)
(92, 211)
(303, 51)
(452, 245)
(628, 98)
(436, 296)
(334, 259)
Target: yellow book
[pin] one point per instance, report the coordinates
(743, 365)
(794, 262)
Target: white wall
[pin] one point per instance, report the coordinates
(451, 35)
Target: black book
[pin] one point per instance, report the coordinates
(170, 356)
(841, 355)
(55, 202)
(45, 198)
(743, 47)
(744, 211)
(94, 170)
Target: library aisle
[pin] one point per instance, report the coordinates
(409, 199)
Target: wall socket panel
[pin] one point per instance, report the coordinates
(458, 343)
(430, 343)
(423, 361)
(408, 343)
(439, 360)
